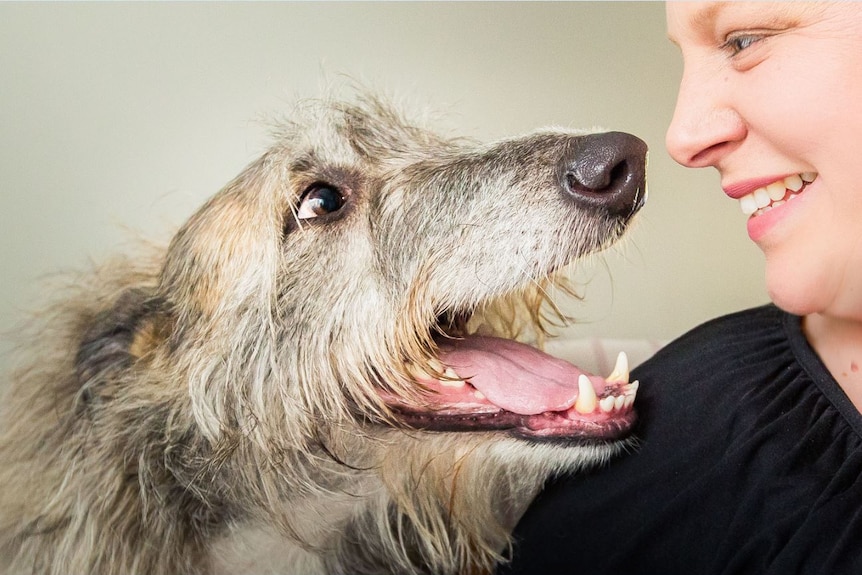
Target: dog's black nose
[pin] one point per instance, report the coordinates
(607, 171)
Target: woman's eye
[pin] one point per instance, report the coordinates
(736, 43)
(319, 200)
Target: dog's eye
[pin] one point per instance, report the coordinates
(319, 200)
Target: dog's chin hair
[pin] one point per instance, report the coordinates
(474, 479)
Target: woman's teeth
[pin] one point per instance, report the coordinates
(764, 199)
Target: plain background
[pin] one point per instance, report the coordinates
(118, 119)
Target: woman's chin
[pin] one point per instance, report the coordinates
(794, 295)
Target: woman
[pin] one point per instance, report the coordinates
(751, 451)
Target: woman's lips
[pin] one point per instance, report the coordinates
(763, 198)
(763, 203)
(760, 196)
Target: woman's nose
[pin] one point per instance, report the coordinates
(705, 124)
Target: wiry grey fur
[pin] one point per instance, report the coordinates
(212, 408)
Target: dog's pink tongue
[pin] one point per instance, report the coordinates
(515, 376)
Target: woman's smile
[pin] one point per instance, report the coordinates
(765, 201)
(771, 196)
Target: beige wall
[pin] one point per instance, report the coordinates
(126, 116)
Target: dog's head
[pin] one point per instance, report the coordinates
(335, 332)
(348, 272)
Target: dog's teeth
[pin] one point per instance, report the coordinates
(607, 404)
(478, 394)
(435, 365)
(451, 378)
(620, 374)
(452, 383)
(437, 369)
(631, 393)
(587, 399)
(417, 372)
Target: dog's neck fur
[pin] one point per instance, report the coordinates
(360, 527)
(258, 547)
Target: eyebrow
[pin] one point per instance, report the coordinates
(704, 16)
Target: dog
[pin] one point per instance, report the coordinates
(325, 371)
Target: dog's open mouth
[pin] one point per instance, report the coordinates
(489, 383)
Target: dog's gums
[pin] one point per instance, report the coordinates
(492, 383)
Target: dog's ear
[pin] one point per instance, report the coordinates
(226, 257)
(117, 336)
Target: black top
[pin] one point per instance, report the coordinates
(750, 462)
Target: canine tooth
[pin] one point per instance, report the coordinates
(620, 372)
(793, 183)
(607, 404)
(630, 400)
(808, 177)
(587, 399)
(776, 190)
(633, 387)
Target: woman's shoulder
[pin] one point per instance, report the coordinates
(729, 362)
(747, 323)
(762, 333)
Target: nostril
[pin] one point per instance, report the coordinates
(597, 180)
(607, 171)
(620, 171)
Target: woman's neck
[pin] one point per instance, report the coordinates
(838, 342)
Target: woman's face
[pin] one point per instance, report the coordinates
(771, 96)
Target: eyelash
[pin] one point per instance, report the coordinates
(736, 43)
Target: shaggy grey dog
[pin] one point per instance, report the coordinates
(317, 375)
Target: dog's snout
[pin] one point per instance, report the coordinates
(607, 171)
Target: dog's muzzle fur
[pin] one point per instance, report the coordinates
(321, 374)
